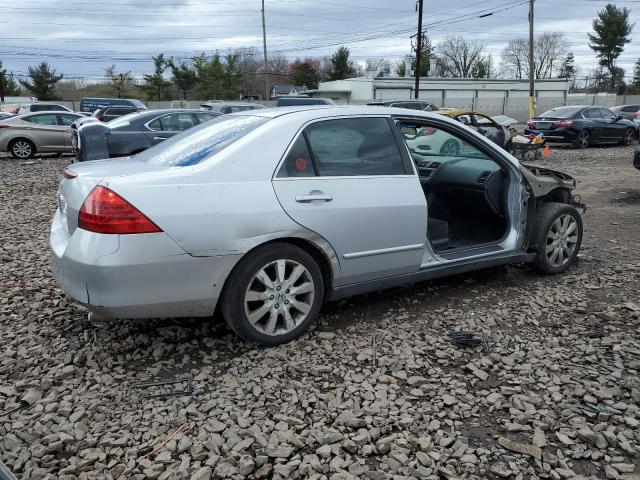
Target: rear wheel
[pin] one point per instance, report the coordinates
(629, 137)
(583, 140)
(274, 295)
(557, 238)
(22, 148)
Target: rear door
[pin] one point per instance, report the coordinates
(595, 123)
(168, 125)
(46, 131)
(349, 181)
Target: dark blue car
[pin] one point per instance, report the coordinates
(582, 126)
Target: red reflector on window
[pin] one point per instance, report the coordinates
(104, 211)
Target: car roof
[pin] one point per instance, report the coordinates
(327, 111)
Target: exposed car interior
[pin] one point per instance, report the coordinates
(466, 190)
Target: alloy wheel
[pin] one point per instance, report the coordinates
(562, 240)
(585, 139)
(451, 148)
(279, 297)
(21, 149)
(628, 137)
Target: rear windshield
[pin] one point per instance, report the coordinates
(198, 143)
(561, 112)
(287, 102)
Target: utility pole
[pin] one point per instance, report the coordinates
(418, 49)
(532, 72)
(267, 96)
(1, 86)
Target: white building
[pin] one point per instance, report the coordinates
(494, 97)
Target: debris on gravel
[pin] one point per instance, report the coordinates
(376, 390)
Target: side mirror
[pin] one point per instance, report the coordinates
(619, 118)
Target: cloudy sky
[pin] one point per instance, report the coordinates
(80, 38)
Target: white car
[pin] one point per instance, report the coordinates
(269, 213)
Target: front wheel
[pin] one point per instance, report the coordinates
(583, 140)
(557, 237)
(274, 295)
(629, 137)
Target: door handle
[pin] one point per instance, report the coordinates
(159, 138)
(313, 197)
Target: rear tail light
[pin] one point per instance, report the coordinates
(69, 174)
(2, 125)
(562, 124)
(104, 211)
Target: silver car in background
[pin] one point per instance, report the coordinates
(269, 213)
(44, 132)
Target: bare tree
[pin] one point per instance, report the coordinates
(548, 51)
(515, 59)
(459, 56)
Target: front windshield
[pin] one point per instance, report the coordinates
(196, 144)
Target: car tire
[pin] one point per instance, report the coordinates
(22, 148)
(271, 314)
(450, 148)
(583, 140)
(557, 237)
(628, 138)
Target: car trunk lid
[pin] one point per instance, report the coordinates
(79, 179)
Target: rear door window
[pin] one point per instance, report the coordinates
(354, 147)
(298, 162)
(173, 122)
(631, 108)
(66, 119)
(44, 119)
(592, 113)
(205, 117)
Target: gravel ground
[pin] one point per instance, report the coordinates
(376, 390)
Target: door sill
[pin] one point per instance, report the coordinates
(469, 252)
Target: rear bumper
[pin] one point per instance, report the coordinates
(559, 135)
(136, 276)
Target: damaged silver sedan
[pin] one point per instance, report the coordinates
(270, 213)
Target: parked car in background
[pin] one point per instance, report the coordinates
(229, 107)
(93, 104)
(42, 107)
(582, 126)
(107, 114)
(268, 214)
(25, 135)
(481, 123)
(299, 101)
(626, 111)
(411, 104)
(132, 133)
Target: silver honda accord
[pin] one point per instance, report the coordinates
(270, 213)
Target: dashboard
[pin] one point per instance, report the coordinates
(472, 176)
